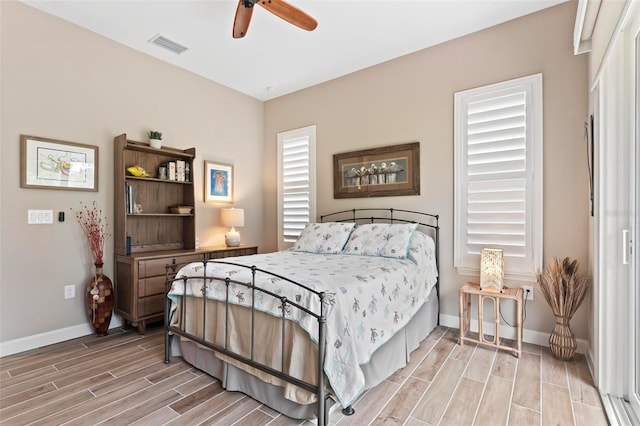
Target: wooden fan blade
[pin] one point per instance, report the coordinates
(289, 13)
(242, 20)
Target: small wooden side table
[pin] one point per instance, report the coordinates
(515, 294)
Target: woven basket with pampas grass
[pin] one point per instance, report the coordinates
(564, 289)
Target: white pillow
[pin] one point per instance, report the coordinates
(324, 238)
(380, 239)
(421, 248)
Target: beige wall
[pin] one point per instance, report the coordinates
(411, 99)
(63, 82)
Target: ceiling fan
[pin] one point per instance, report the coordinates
(279, 8)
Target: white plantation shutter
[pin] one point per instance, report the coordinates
(295, 186)
(296, 183)
(496, 174)
(498, 140)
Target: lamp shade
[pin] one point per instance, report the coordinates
(232, 217)
(491, 269)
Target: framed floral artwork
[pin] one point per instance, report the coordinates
(55, 164)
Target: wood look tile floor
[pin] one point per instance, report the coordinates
(121, 380)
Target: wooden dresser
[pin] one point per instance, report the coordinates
(140, 279)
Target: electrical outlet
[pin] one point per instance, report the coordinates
(528, 292)
(69, 291)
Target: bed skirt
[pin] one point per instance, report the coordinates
(390, 357)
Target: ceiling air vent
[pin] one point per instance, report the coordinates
(168, 44)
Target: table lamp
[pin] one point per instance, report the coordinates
(492, 270)
(231, 218)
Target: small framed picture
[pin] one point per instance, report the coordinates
(54, 164)
(218, 182)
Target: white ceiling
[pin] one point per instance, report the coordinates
(275, 57)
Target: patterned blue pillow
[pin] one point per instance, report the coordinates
(380, 239)
(324, 238)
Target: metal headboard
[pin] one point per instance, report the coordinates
(390, 215)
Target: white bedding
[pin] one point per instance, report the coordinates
(369, 299)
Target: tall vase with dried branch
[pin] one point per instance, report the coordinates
(99, 290)
(564, 289)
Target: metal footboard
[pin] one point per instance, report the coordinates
(286, 305)
(426, 222)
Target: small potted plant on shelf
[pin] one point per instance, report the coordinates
(155, 139)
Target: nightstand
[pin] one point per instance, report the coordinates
(515, 294)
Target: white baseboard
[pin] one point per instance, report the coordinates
(22, 344)
(592, 366)
(528, 336)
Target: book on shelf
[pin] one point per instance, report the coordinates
(171, 170)
(129, 197)
(180, 170)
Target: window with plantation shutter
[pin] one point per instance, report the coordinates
(498, 176)
(296, 183)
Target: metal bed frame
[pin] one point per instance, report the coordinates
(429, 221)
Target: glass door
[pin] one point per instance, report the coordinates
(634, 386)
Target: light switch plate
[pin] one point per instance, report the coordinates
(37, 217)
